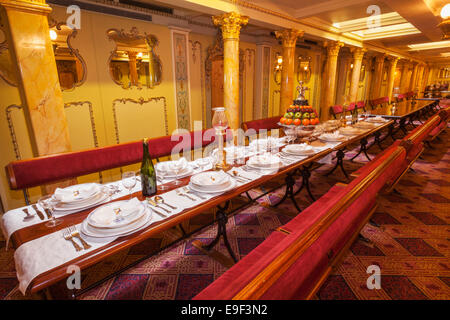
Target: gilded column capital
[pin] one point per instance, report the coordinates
(333, 47)
(393, 60)
(36, 6)
(380, 57)
(358, 53)
(230, 24)
(289, 36)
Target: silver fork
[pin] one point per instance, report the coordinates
(68, 236)
(75, 233)
(187, 190)
(180, 193)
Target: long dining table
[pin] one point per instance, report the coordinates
(26, 239)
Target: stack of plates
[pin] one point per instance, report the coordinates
(363, 125)
(103, 222)
(332, 137)
(376, 119)
(299, 149)
(263, 144)
(166, 171)
(349, 131)
(266, 162)
(211, 182)
(79, 197)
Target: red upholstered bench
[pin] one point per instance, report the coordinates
(336, 110)
(292, 263)
(43, 170)
(262, 124)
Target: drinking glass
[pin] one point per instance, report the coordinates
(48, 204)
(203, 162)
(129, 181)
(177, 166)
(161, 171)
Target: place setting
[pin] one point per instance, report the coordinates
(335, 136)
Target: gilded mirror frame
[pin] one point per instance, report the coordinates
(72, 51)
(134, 36)
(304, 75)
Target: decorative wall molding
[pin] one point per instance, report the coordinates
(180, 40)
(196, 45)
(141, 101)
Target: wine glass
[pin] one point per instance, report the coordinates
(177, 166)
(48, 204)
(161, 171)
(203, 162)
(129, 181)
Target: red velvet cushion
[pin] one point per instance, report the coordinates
(351, 106)
(42, 170)
(252, 263)
(360, 104)
(267, 124)
(307, 269)
(337, 109)
(302, 276)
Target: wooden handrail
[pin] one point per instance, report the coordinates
(269, 275)
(424, 127)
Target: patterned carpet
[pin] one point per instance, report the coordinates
(411, 246)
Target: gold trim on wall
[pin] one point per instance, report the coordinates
(141, 102)
(194, 45)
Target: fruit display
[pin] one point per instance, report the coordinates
(300, 115)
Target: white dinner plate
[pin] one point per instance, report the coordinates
(62, 207)
(126, 230)
(228, 187)
(132, 217)
(183, 173)
(96, 189)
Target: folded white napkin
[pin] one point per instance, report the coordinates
(296, 148)
(105, 215)
(75, 193)
(209, 178)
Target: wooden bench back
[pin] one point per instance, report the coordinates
(47, 169)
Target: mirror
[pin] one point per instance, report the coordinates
(71, 67)
(362, 73)
(133, 62)
(69, 63)
(6, 70)
(304, 69)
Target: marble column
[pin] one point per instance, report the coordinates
(329, 78)
(132, 64)
(230, 24)
(289, 39)
(27, 33)
(412, 84)
(377, 76)
(404, 77)
(391, 75)
(358, 54)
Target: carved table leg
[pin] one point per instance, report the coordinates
(306, 174)
(221, 232)
(363, 148)
(339, 163)
(290, 182)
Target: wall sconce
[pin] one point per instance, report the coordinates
(278, 68)
(304, 69)
(351, 66)
(53, 35)
(445, 24)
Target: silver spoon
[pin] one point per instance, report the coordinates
(28, 215)
(187, 190)
(160, 199)
(153, 203)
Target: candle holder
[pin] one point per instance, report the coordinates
(220, 124)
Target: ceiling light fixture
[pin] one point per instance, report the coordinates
(445, 24)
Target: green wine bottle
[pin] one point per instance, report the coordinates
(148, 174)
